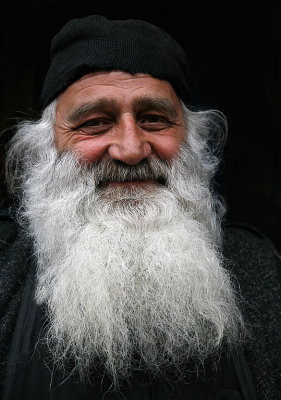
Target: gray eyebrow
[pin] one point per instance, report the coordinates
(87, 108)
(156, 103)
(140, 104)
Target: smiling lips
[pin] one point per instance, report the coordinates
(135, 182)
(129, 183)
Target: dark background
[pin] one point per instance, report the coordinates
(236, 62)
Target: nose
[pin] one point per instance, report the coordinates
(131, 145)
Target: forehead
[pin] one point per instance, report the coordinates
(118, 86)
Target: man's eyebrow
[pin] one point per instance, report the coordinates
(140, 104)
(157, 104)
(85, 109)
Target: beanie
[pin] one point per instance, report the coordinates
(95, 43)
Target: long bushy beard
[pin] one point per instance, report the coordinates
(130, 276)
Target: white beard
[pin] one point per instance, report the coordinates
(129, 274)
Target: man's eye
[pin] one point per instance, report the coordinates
(95, 122)
(94, 126)
(152, 119)
(154, 122)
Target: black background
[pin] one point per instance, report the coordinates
(235, 67)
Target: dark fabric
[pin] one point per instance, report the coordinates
(256, 272)
(249, 257)
(95, 43)
(13, 257)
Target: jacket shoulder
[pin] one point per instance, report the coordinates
(245, 245)
(255, 266)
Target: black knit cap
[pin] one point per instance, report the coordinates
(95, 43)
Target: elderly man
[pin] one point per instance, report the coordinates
(117, 279)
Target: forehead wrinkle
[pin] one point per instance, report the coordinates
(85, 109)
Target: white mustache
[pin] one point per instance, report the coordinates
(116, 171)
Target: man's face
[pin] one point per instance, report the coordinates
(119, 116)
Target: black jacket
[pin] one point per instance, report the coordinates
(256, 271)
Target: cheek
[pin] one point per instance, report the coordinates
(91, 150)
(167, 147)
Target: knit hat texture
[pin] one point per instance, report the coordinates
(95, 43)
